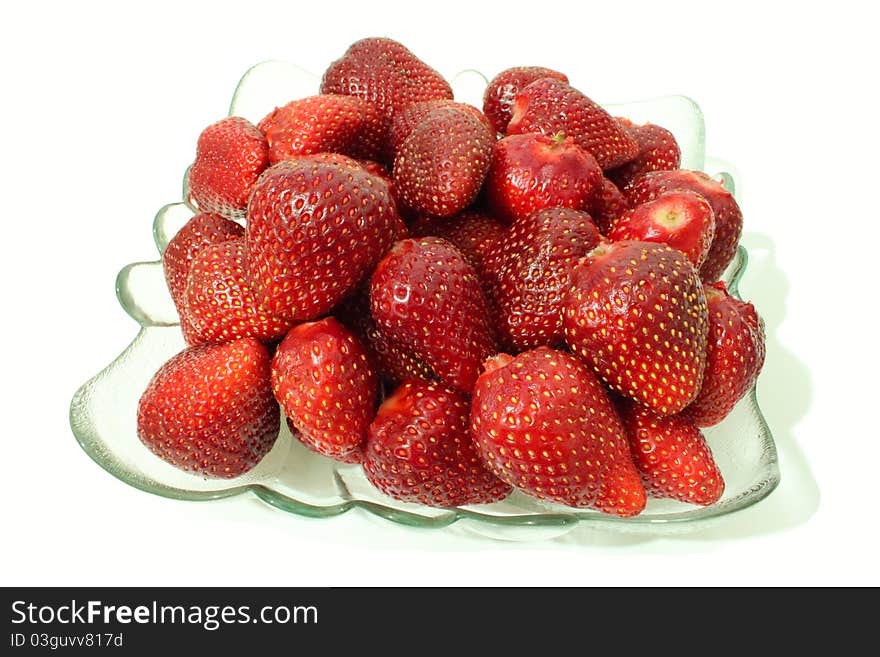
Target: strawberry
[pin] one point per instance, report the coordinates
(636, 313)
(209, 410)
(316, 226)
(230, 156)
(200, 231)
(735, 356)
(728, 217)
(533, 275)
(323, 124)
(220, 305)
(543, 422)
(326, 386)
(607, 206)
(392, 361)
(503, 88)
(419, 449)
(658, 151)
(472, 233)
(672, 456)
(385, 73)
(551, 106)
(440, 167)
(409, 117)
(683, 220)
(532, 171)
(425, 296)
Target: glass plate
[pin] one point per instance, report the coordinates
(294, 479)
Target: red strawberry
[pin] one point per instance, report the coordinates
(230, 156)
(636, 313)
(502, 90)
(419, 449)
(440, 167)
(672, 456)
(424, 295)
(386, 74)
(728, 217)
(550, 106)
(534, 273)
(472, 233)
(323, 124)
(391, 360)
(544, 423)
(409, 117)
(533, 171)
(683, 220)
(325, 385)
(210, 410)
(316, 226)
(219, 304)
(200, 231)
(607, 206)
(658, 151)
(735, 356)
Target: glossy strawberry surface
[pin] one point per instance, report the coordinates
(503, 88)
(209, 410)
(543, 423)
(328, 123)
(317, 225)
(658, 151)
(219, 303)
(425, 295)
(200, 231)
(636, 314)
(440, 167)
(684, 220)
(409, 117)
(728, 217)
(735, 355)
(386, 74)
(230, 156)
(419, 449)
(531, 172)
(551, 106)
(672, 456)
(607, 206)
(326, 386)
(531, 277)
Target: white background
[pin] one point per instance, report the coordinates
(101, 106)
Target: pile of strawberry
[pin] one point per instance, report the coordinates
(464, 302)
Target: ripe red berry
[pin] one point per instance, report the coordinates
(326, 387)
(683, 220)
(199, 232)
(543, 422)
(551, 106)
(728, 217)
(440, 167)
(329, 123)
(220, 305)
(503, 88)
(531, 172)
(735, 356)
(636, 313)
(658, 151)
(425, 296)
(316, 226)
(230, 156)
(672, 456)
(210, 410)
(419, 449)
